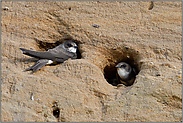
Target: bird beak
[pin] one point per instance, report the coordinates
(117, 66)
(75, 46)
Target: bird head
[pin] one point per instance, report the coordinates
(70, 46)
(123, 65)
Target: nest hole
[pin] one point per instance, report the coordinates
(110, 71)
(56, 110)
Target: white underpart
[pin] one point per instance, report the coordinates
(72, 49)
(123, 73)
(50, 62)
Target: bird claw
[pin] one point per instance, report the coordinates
(120, 85)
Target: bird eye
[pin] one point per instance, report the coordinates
(124, 65)
(69, 45)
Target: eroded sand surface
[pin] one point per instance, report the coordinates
(145, 34)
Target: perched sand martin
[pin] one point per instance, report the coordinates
(58, 54)
(125, 74)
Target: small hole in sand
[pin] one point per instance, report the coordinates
(56, 110)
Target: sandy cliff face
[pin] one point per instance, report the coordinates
(145, 34)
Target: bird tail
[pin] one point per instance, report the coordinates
(38, 65)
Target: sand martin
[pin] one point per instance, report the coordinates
(125, 74)
(58, 54)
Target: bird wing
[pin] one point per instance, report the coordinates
(120, 81)
(38, 54)
(58, 54)
(38, 65)
(61, 54)
(128, 81)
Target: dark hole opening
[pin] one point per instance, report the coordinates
(78, 54)
(111, 71)
(56, 112)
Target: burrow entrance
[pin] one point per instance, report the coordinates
(56, 110)
(128, 55)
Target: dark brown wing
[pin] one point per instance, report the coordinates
(121, 81)
(57, 54)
